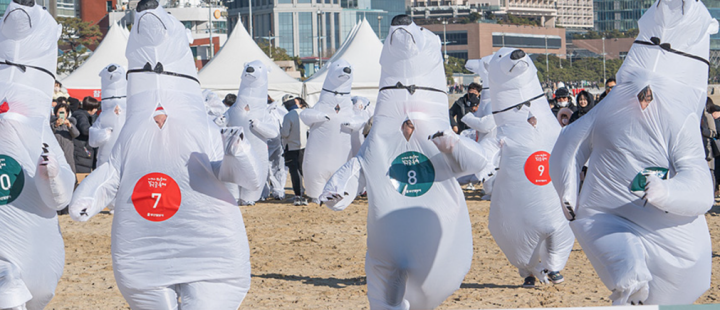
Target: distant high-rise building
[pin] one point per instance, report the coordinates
(619, 15)
(575, 13)
(3, 6)
(393, 8)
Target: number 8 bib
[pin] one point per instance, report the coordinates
(412, 174)
(156, 197)
(12, 179)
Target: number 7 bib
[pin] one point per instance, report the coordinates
(156, 197)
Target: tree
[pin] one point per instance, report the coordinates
(276, 53)
(76, 36)
(454, 65)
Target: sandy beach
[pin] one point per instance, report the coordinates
(313, 258)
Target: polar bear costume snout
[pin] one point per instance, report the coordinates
(18, 23)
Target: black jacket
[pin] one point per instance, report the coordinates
(84, 154)
(458, 110)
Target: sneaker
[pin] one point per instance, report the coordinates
(304, 201)
(529, 282)
(470, 187)
(555, 277)
(297, 201)
(247, 203)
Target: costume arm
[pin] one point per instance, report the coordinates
(95, 192)
(690, 191)
(237, 161)
(483, 124)
(356, 123)
(465, 156)
(98, 135)
(55, 179)
(569, 155)
(265, 128)
(312, 116)
(343, 186)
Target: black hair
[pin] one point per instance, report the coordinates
(90, 103)
(475, 86)
(230, 99)
(302, 103)
(610, 80)
(60, 106)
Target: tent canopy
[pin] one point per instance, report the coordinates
(224, 72)
(362, 49)
(85, 81)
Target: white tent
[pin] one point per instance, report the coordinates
(85, 81)
(362, 49)
(223, 73)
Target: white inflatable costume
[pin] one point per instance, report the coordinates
(654, 250)
(482, 122)
(363, 112)
(250, 113)
(419, 234)
(277, 175)
(524, 218)
(329, 143)
(35, 179)
(177, 232)
(106, 129)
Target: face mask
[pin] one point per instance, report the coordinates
(563, 103)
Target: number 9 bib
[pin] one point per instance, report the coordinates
(412, 174)
(156, 197)
(537, 168)
(12, 179)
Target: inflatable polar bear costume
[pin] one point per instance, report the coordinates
(524, 218)
(419, 234)
(177, 232)
(654, 250)
(106, 129)
(250, 112)
(329, 143)
(35, 179)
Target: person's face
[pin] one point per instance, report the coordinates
(297, 102)
(583, 101)
(562, 99)
(609, 86)
(54, 103)
(407, 129)
(716, 115)
(473, 91)
(160, 120)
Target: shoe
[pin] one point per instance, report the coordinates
(304, 201)
(470, 187)
(297, 201)
(555, 277)
(247, 203)
(529, 282)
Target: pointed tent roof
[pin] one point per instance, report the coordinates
(85, 80)
(223, 73)
(362, 49)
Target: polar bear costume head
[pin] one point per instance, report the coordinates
(674, 44)
(162, 77)
(253, 89)
(339, 78)
(113, 81)
(403, 80)
(28, 58)
(516, 94)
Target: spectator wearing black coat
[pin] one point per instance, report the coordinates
(563, 99)
(84, 154)
(609, 84)
(585, 103)
(466, 104)
(65, 130)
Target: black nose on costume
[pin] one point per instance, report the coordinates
(401, 20)
(112, 68)
(517, 54)
(28, 3)
(347, 70)
(250, 70)
(147, 5)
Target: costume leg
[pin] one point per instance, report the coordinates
(559, 245)
(13, 291)
(225, 294)
(617, 254)
(162, 298)
(386, 286)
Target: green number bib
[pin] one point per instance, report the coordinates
(412, 174)
(12, 179)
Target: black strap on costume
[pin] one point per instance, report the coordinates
(335, 92)
(655, 41)
(411, 88)
(159, 70)
(113, 97)
(519, 105)
(23, 68)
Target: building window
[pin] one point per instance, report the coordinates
(284, 2)
(109, 6)
(458, 54)
(188, 24)
(526, 40)
(306, 33)
(454, 37)
(337, 31)
(285, 34)
(304, 1)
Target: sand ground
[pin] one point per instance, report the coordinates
(313, 258)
